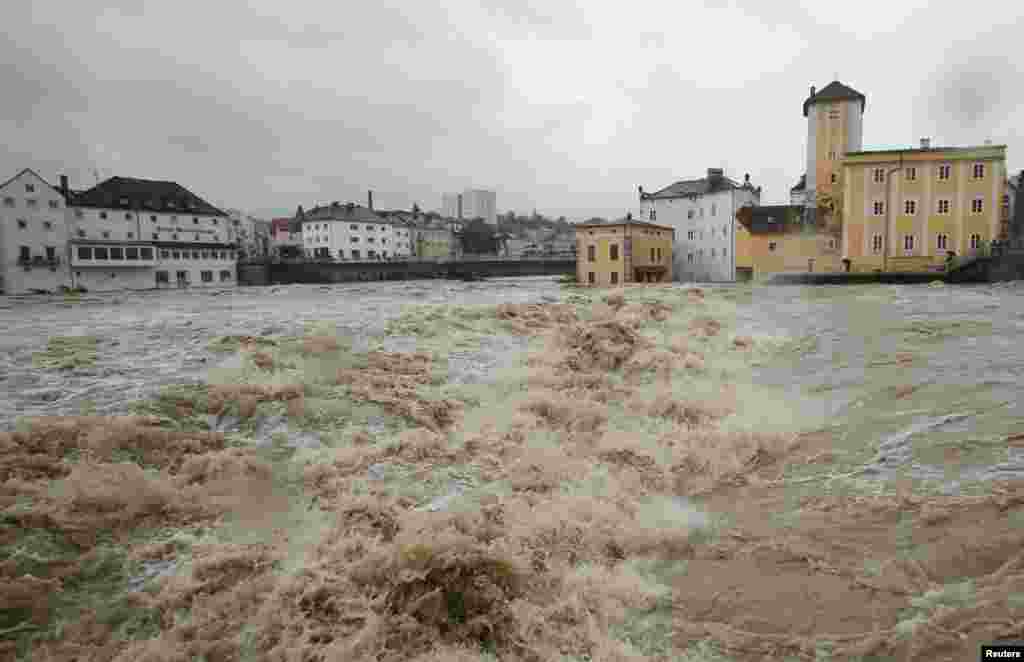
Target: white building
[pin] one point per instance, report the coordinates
(33, 236)
(703, 214)
(470, 204)
(128, 233)
(353, 232)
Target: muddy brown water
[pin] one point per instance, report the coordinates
(913, 379)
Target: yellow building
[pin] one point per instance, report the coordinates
(434, 243)
(903, 210)
(626, 252)
(775, 238)
(834, 128)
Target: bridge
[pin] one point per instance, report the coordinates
(282, 272)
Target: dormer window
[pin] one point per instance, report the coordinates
(103, 215)
(124, 201)
(171, 204)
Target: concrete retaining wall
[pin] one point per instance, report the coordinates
(266, 273)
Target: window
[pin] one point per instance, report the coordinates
(156, 235)
(163, 277)
(22, 224)
(195, 221)
(911, 174)
(831, 243)
(832, 156)
(944, 171)
(689, 257)
(47, 225)
(977, 205)
(176, 255)
(128, 216)
(225, 275)
(372, 240)
(174, 220)
(24, 253)
(206, 255)
(174, 236)
(85, 252)
(691, 235)
(979, 171)
(8, 202)
(909, 207)
(116, 253)
(659, 254)
(689, 214)
(714, 208)
(131, 235)
(651, 215)
(355, 254)
(700, 252)
(615, 277)
(353, 227)
(165, 254)
(613, 252)
(106, 235)
(591, 253)
(51, 252)
(81, 233)
(100, 253)
(131, 253)
(975, 240)
(206, 276)
(153, 220)
(879, 175)
(195, 255)
(908, 242)
(369, 227)
(30, 188)
(590, 278)
(214, 221)
(79, 213)
(835, 178)
(103, 215)
(652, 254)
(943, 206)
(942, 241)
(54, 204)
(354, 240)
(725, 251)
(32, 202)
(876, 243)
(878, 208)
(182, 277)
(772, 246)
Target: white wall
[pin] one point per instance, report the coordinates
(341, 237)
(712, 221)
(45, 227)
(121, 225)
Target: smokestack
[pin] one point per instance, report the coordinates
(460, 206)
(746, 179)
(64, 185)
(926, 143)
(812, 90)
(369, 200)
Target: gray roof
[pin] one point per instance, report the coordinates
(147, 194)
(339, 212)
(836, 91)
(694, 187)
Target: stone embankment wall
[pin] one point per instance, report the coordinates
(267, 273)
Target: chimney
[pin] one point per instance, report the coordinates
(715, 174)
(926, 143)
(460, 207)
(64, 185)
(369, 200)
(988, 142)
(812, 90)
(746, 179)
(641, 189)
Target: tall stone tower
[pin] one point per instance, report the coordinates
(834, 127)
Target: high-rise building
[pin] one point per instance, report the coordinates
(470, 204)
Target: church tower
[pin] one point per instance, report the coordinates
(834, 128)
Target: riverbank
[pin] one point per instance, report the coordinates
(570, 474)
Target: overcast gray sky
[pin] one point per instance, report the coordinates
(556, 105)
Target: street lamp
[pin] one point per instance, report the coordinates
(888, 177)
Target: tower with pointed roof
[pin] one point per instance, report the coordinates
(834, 128)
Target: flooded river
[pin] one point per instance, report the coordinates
(914, 380)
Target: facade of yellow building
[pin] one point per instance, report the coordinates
(777, 238)
(904, 210)
(834, 128)
(610, 254)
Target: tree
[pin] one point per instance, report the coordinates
(477, 237)
(830, 211)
